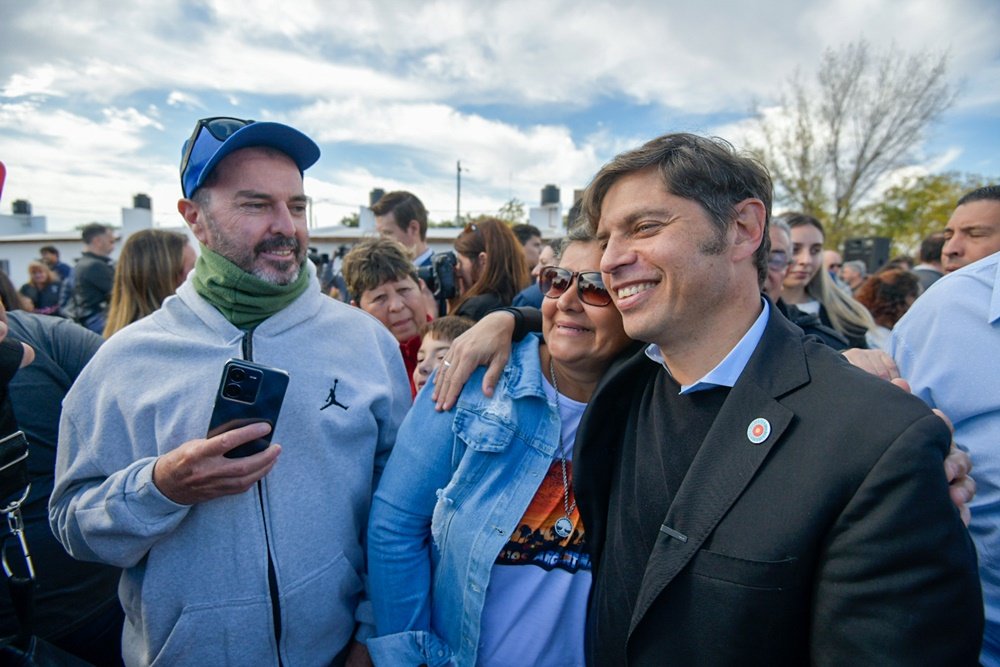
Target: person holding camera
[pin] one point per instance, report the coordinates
(491, 268)
(234, 561)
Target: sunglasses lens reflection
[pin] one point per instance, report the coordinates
(223, 128)
(555, 281)
(592, 290)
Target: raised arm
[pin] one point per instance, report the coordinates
(488, 344)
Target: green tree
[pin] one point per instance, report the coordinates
(512, 211)
(911, 211)
(351, 220)
(831, 141)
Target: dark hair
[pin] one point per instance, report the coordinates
(990, 192)
(904, 262)
(373, 262)
(448, 327)
(525, 233)
(506, 272)
(404, 206)
(92, 231)
(930, 247)
(705, 170)
(8, 293)
(49, 248)
(885, 295)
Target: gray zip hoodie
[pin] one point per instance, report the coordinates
(196, 586)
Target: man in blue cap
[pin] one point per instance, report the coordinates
(253, 560)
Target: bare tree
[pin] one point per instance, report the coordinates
(864, 117)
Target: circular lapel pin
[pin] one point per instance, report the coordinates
(758, 430)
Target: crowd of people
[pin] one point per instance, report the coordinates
(680, 430)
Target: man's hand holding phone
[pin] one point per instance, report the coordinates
(198, 470)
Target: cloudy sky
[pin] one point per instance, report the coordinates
(96, 97)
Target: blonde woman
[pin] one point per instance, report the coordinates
(42, 288)
(152, 265)
(808, 287)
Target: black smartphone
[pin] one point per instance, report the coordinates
(248, 393)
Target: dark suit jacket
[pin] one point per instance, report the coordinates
(833, 542)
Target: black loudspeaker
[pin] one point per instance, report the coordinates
(872, 250)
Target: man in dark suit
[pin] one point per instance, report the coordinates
(755, 500)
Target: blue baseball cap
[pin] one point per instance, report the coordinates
(215, 138)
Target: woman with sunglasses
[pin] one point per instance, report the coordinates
(491, 267)
(476, 551)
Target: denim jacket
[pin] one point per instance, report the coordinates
(455, 487)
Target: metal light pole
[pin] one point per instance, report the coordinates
(458, 192)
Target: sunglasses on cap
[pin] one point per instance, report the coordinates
(220, 127)
(553, 281)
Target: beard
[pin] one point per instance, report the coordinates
(278, 273)
(249, 259)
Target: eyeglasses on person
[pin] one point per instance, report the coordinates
(553, 281)
(220, 127)
(778, 260)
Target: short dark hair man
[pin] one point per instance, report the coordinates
(93, 277)
(706, 548)
(50, 255)
(401, 216)
(531, 240)
(973, 231)
(234, 560)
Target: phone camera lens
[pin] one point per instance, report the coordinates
(232, 390)
(237, 375)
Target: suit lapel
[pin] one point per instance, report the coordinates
(727, 459)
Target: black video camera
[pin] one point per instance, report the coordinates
(440, 275)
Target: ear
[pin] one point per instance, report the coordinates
(481, 260)
(191, 212)
(413, 229)
(748, 228)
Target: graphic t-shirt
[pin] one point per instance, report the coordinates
(536, 604)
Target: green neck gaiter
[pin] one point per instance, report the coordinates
(241, 297)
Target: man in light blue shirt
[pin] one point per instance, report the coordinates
(948, 348)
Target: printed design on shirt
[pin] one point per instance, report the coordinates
(331, 399)
(535, 542)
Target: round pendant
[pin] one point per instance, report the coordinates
(563, 527)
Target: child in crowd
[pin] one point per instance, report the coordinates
(437, 336)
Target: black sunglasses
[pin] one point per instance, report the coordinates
(220, 127)
(553, 281)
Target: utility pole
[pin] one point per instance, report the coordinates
(458, 192)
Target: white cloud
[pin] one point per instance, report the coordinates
(508, 87)
(177, 98)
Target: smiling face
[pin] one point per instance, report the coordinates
(807, 256)
(255, 214)
(399, 305)
(662, 261)
(580, 336)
